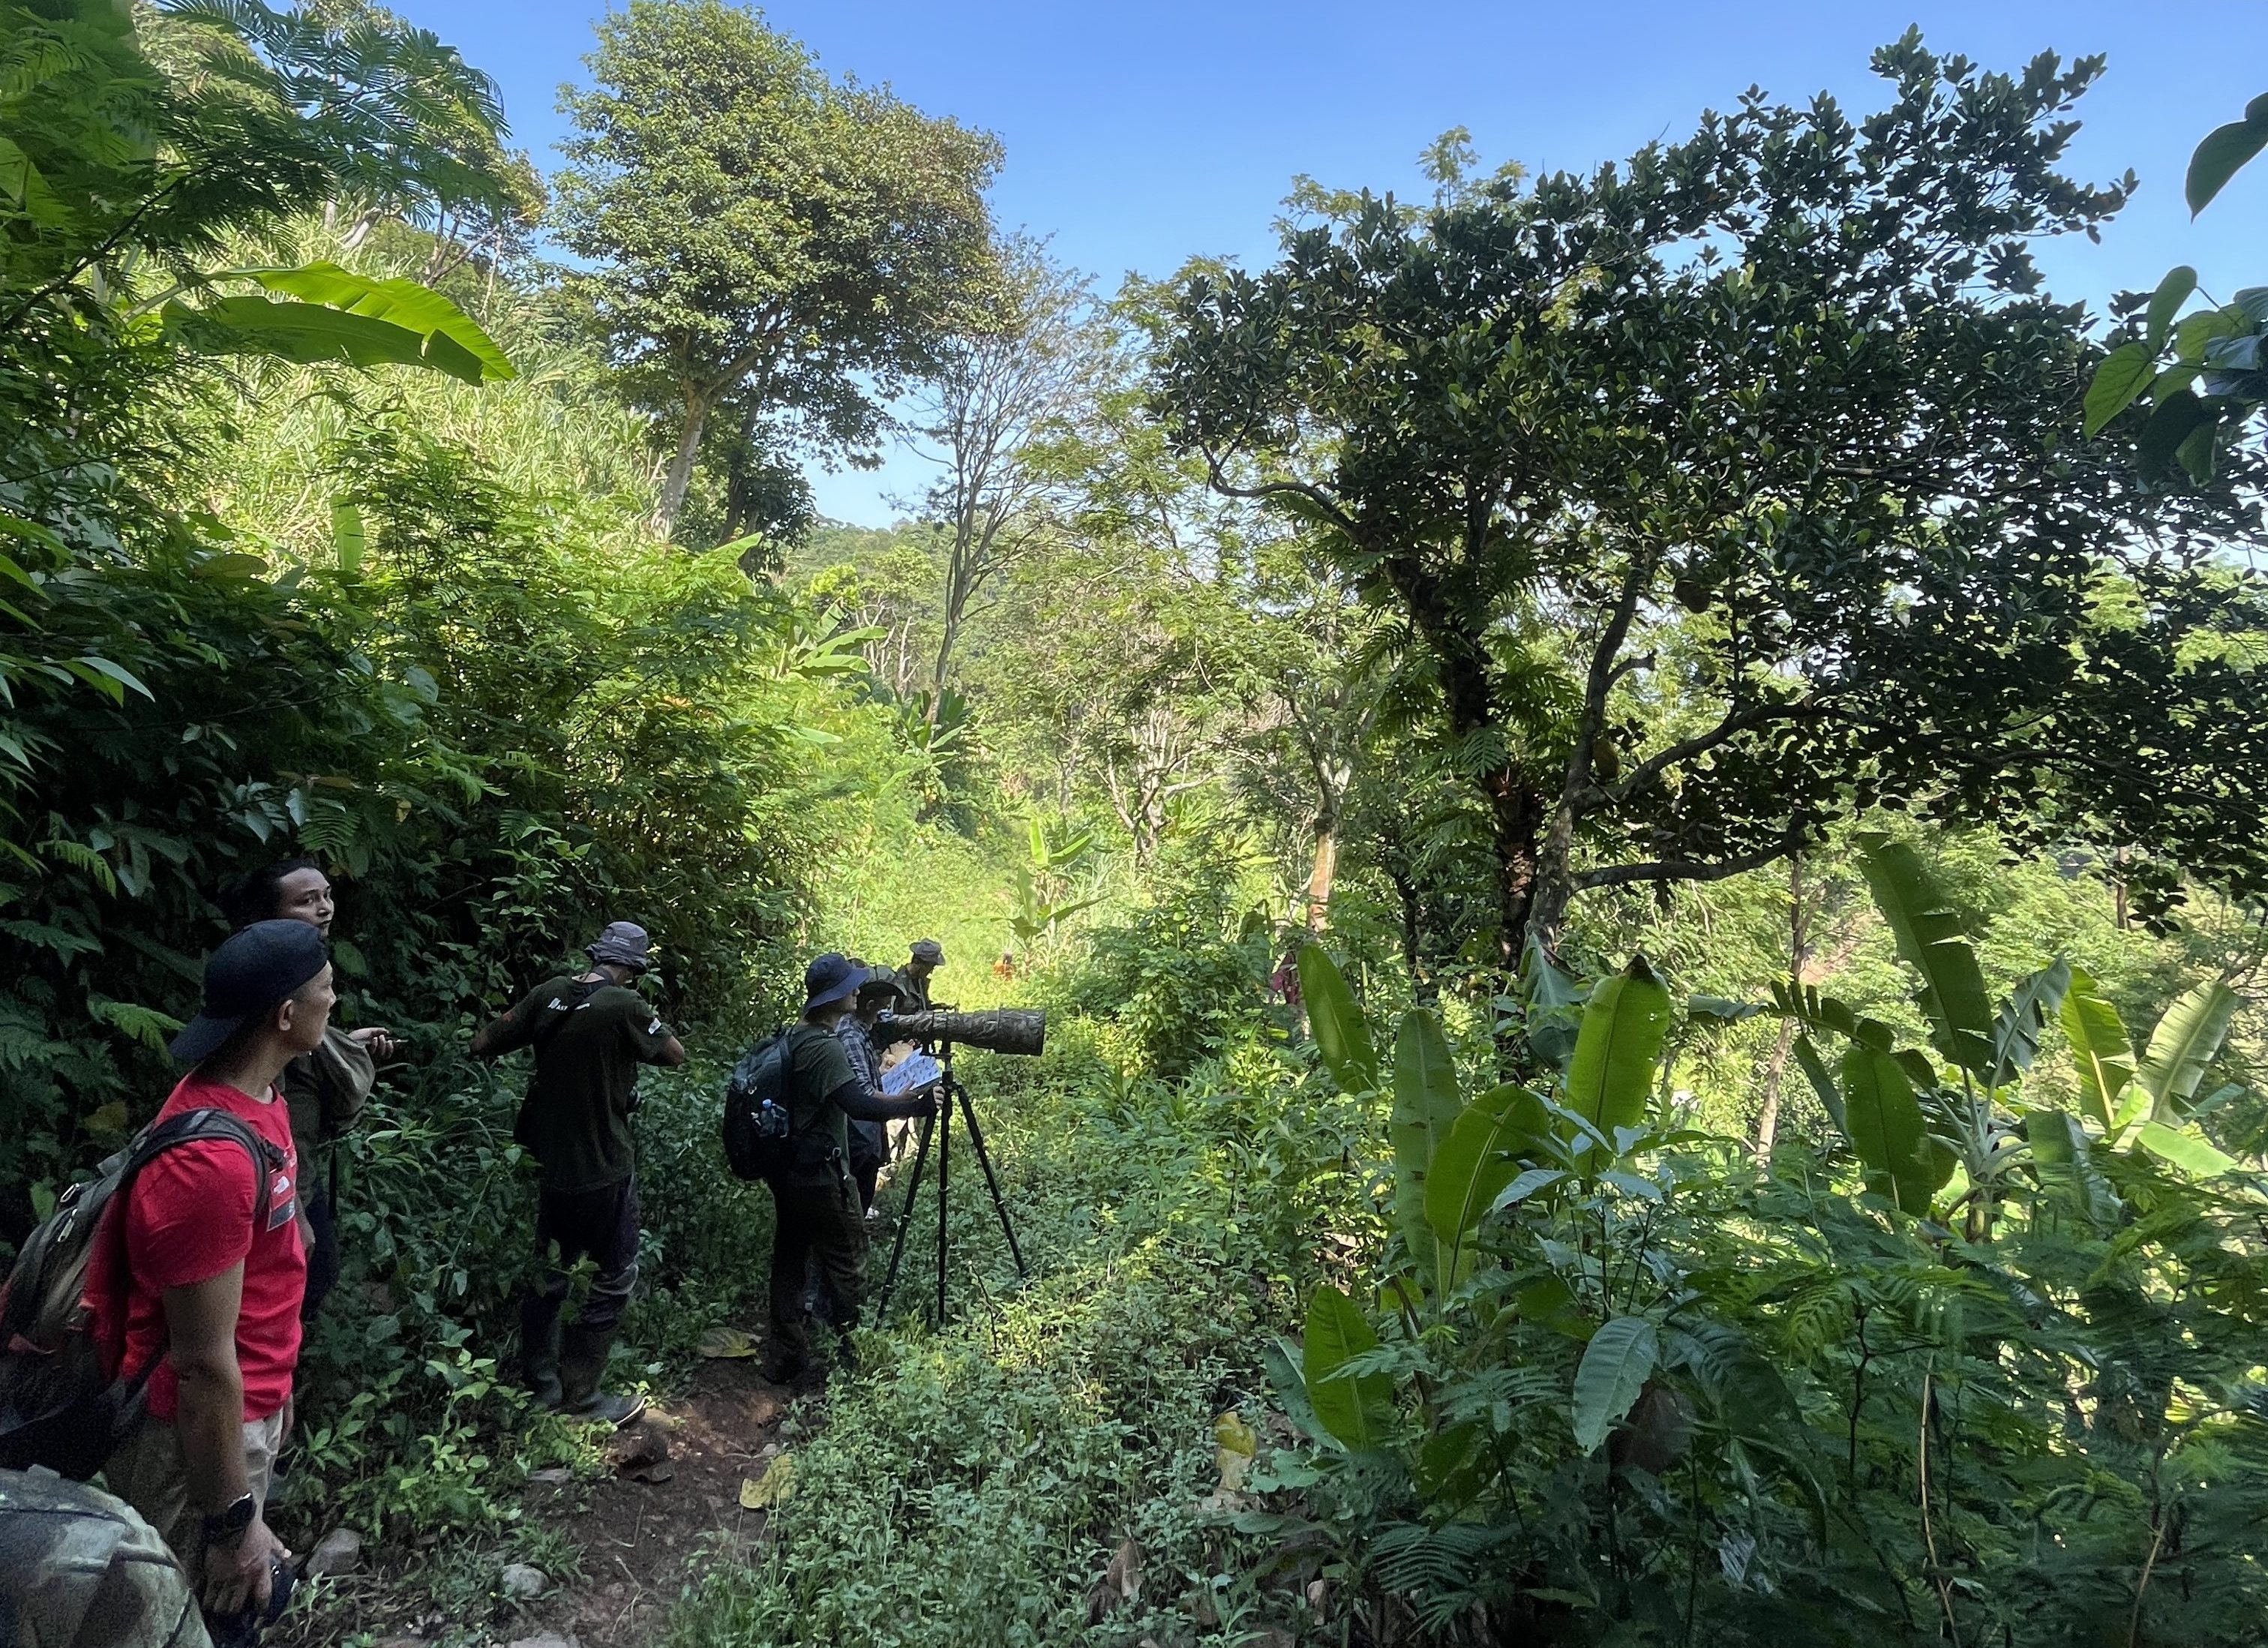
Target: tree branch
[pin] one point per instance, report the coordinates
(1682, 869)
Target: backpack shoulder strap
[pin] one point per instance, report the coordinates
(582, 992)
(804, 1108)
(198, 1127)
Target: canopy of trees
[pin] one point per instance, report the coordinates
(1636, 797)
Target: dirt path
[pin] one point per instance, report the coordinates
(673, 1502)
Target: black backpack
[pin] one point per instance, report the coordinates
(762, 1137)
(63, 1403)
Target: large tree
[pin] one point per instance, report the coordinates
(759, 233)
(1740, 487)
(1006, 398)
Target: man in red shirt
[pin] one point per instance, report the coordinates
(212, 1296)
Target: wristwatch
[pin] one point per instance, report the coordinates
(229, 1525)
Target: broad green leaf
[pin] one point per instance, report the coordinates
(2183, 1148)
(1615, 1368)
(2195, 453)
(1555, 1006)
(2178, 417)
(1822, 1081)
(452, 340)
(1353, 1410)
(1526, 1185)
(2016, 1030)
(306, 332)
(2183, 1045)
(1341, 1036)
(118, 672)
(2098, 1043)
(2122, 376)
(1929, 938)
(1885, 1125)
(2061, 1151)
(1425, 1108)
(348, 536)
(1610, 1078)
(2216, 160)
(2165, 303)
(1479, 1159)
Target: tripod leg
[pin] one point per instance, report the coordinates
(944, 1156)
(991, 1181)
(905, 1218)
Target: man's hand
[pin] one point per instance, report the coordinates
(290, 1415)
(237, 1576)
(375, 1040)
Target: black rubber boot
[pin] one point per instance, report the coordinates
(539, 1349)
(582, 1365)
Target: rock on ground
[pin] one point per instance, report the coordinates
(339, 1552)
(524, 1582)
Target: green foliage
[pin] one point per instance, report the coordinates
(1766, 1360)
(1342, 1037)
(1486, 417)
(1350, 1405)
(1931, 942)
(1611, 1075)
(1426, 1102)
(1178, 978)
(752, 229)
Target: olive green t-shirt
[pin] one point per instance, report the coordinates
(817, 1069)
(588, 1043)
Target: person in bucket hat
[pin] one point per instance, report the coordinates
(925, 958)
(590, 1033)
(212, 1294)
(817, 1218)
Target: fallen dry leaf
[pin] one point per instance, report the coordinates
(721, 1343)
(774, 1487)
(1237, 1442)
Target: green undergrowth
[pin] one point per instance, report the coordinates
(975, 1486)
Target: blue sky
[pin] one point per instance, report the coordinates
(1139, 134)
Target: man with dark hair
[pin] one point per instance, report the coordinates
(591, 1031)
(913, 978)
(817, 1216)
(324, 1089)
(211, 1293)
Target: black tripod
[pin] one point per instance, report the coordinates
(939, 1126)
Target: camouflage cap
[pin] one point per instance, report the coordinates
(78, 1566)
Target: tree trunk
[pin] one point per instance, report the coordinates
(1517, 812)
(1775, 1071)
(675, 484)
(1318, 894)
(1798, 965)
(938, 677)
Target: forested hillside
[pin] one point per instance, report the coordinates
(1636, 797)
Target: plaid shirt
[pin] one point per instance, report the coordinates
(867, 1064)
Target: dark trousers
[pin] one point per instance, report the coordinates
(816, 1222)
(601, 1224)
(322, 1252)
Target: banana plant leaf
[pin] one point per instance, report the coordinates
(1930, 940)
(1610, 1078)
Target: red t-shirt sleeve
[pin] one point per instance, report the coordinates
(190, 1216)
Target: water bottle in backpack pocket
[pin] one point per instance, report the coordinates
(759, 1130)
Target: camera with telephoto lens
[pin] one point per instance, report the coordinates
(1022, 1030)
